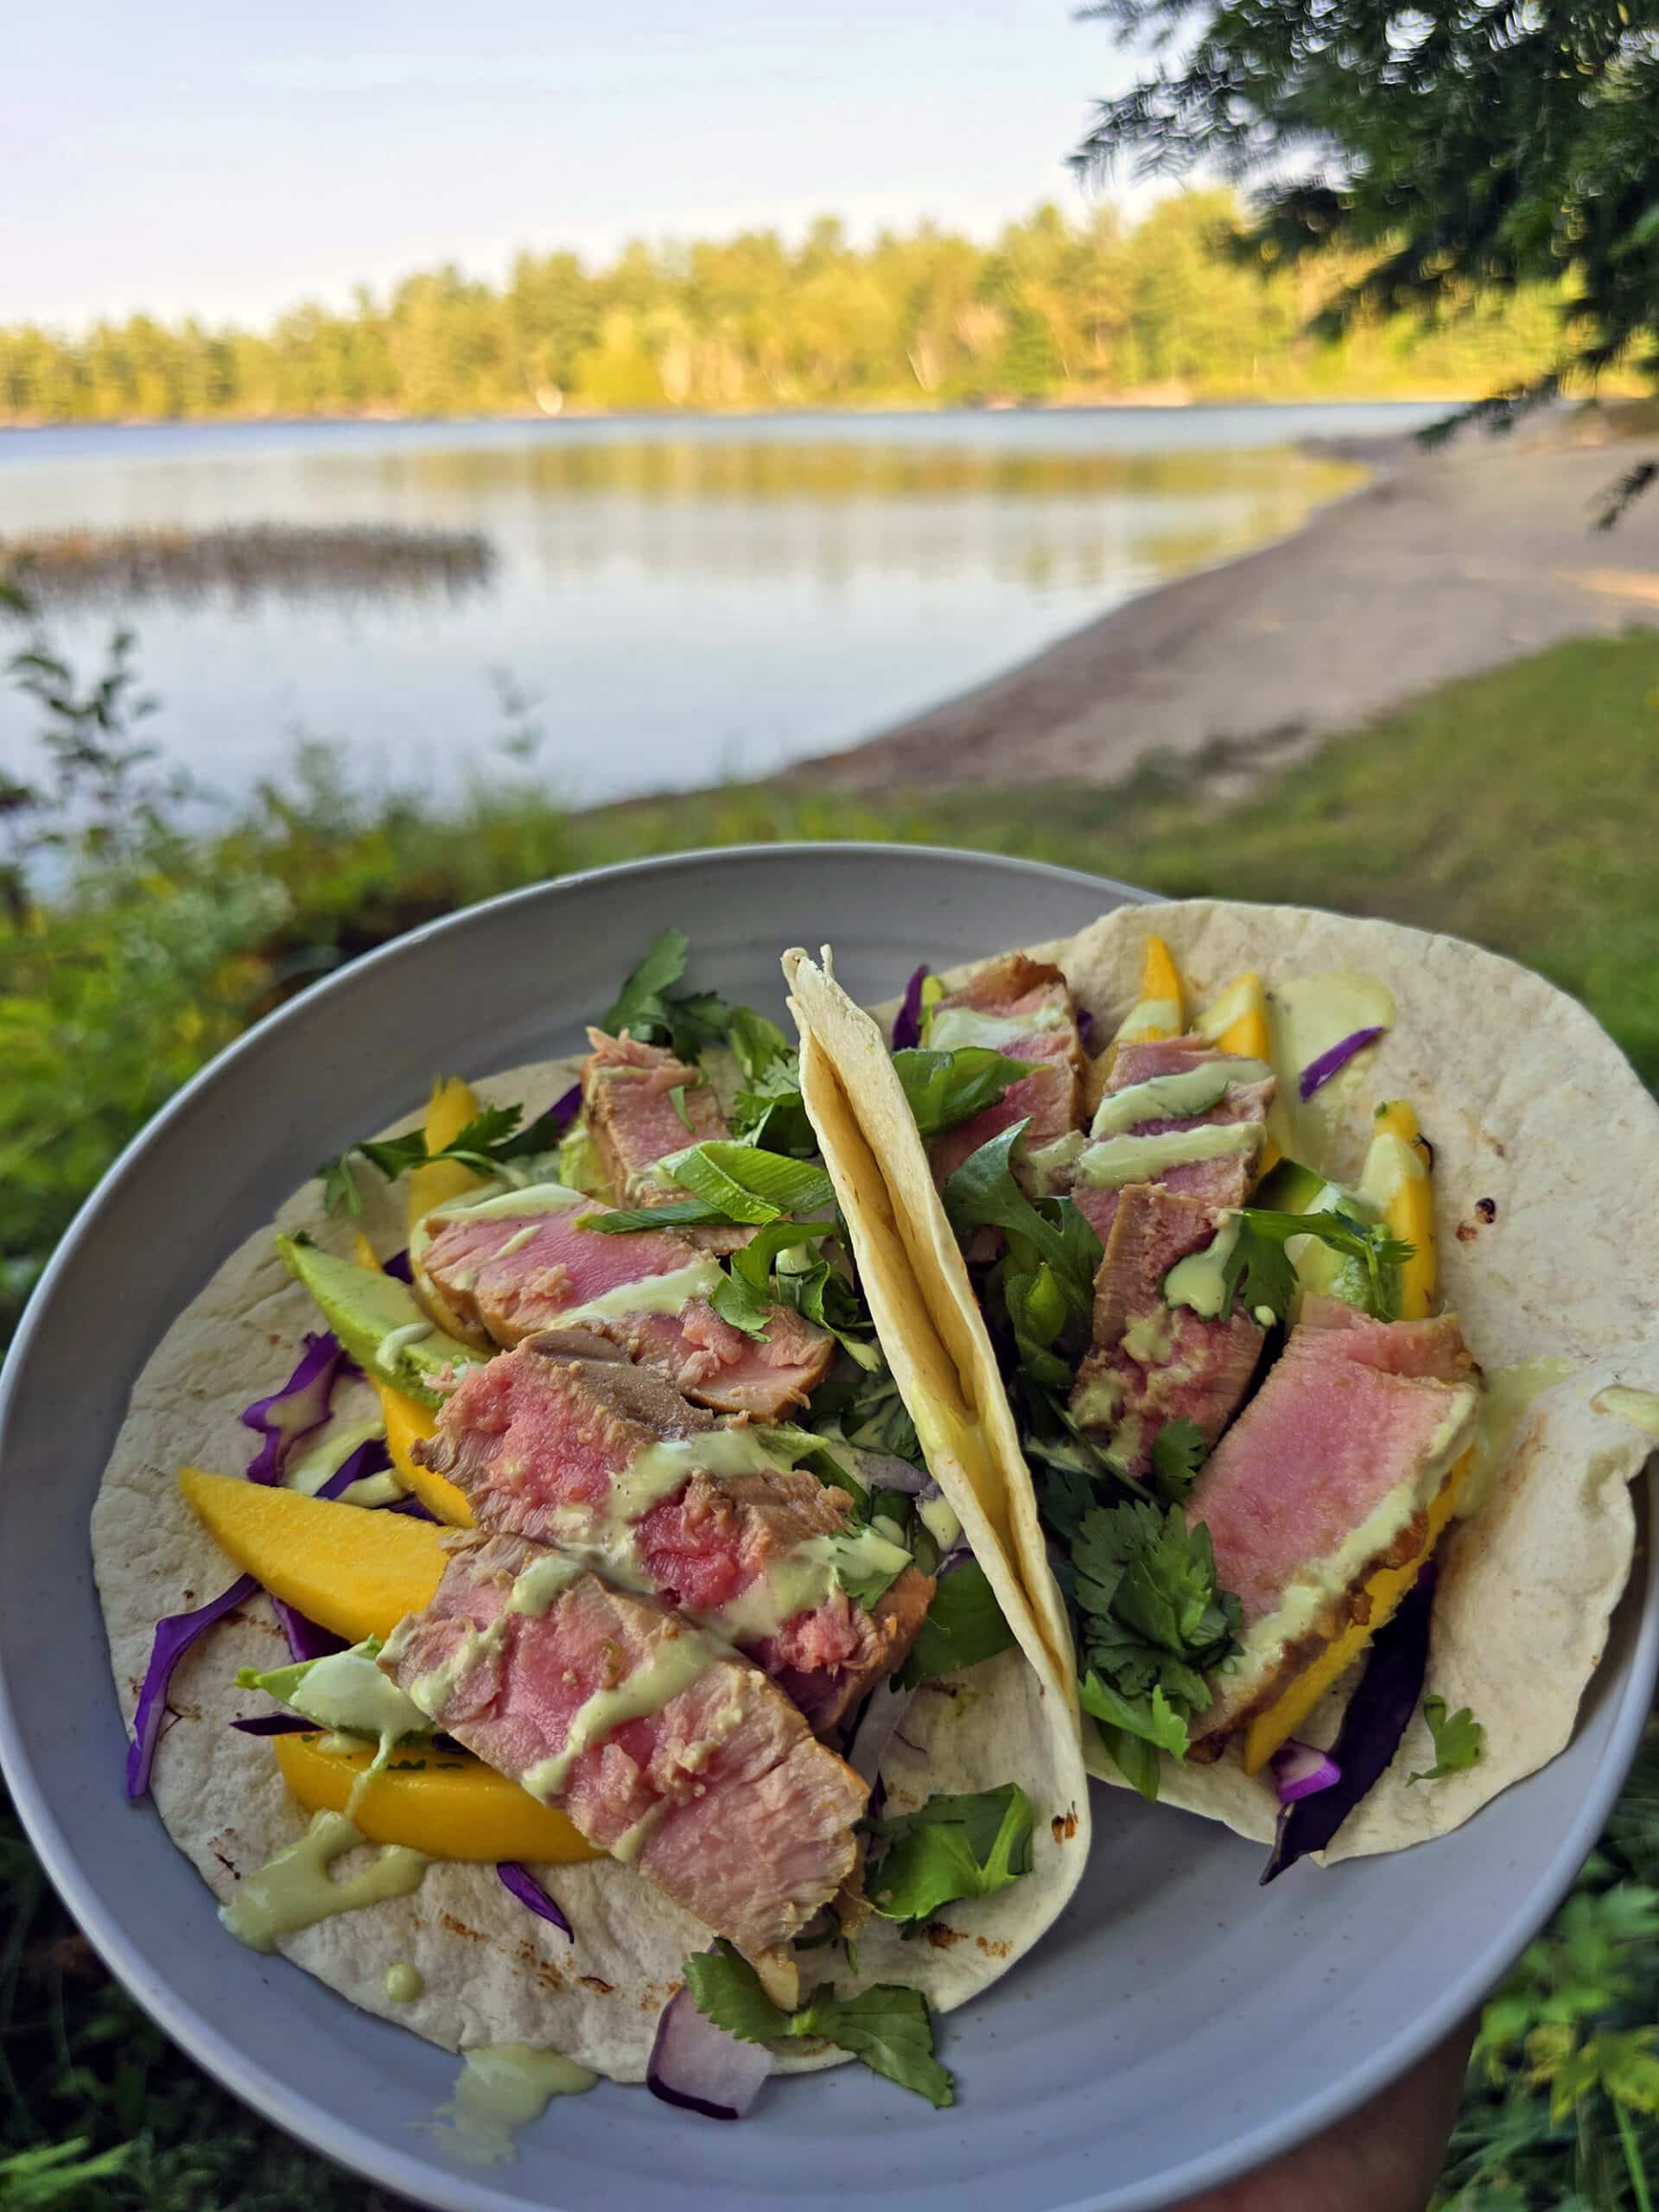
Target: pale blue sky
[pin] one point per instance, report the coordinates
(229, 159)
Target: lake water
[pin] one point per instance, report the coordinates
(657, 601)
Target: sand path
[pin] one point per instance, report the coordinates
(1447, 564)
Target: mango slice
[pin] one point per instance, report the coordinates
(1385, 1590)
(450, 1805)
(408, 1424)
(1409, 1207)
(1160, 1010)
(350, 1570)
(452, 1105)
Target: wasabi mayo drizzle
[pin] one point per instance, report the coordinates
(354, 1419)
(527, 1200)
(393, 1346)
(1125, 1159)
(295, 1890)
(678, 1661)
(503, 2087)
(1505, 1408)
(1639, 1407)
(404, 1984)
(953, 1028)
(1166, 1097)
(1150, 1018)
(667, 1293)
(1199, 1281)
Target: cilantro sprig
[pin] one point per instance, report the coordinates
(953, 1849)
(1152, 1624)
(963, 1624)
(1258, 1269)
(1459, 1740)
(889, 2028)
(945, 1089)
(487, 1143)
(686, 1021)
(1178, 1454)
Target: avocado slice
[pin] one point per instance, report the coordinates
(366, 1308)
(1292, 1188)
(1289, 1188)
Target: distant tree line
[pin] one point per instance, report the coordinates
(1170, 307)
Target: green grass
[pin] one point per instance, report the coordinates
(1517, 808)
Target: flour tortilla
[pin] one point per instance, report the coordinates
(1529, 1105)
(493, 1971)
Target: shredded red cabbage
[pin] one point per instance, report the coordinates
(398, 1265)
(1318, 1072)
(701, 2066)
(276, 1723)
(1085, 1027)
(1378, 1714)
(306, 1640)
(565, 1109)
(908, 1022)
(529, 1892)
(1300, 1770)
(174, 1637)
(299, 1407)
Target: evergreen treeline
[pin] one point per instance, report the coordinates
(1052, 308)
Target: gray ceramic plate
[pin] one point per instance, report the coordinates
(1178, 2026)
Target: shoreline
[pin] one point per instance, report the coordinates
(1445, 564)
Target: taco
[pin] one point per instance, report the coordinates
(630, 1654)
(1315, 1259)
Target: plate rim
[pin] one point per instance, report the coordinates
(331, 2133)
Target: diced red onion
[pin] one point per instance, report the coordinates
(1319, 1073)
(908, 1022)
(174, 1637)
(529, 1892)
(701, 2066)
(884, 1709)
(300, 1406)
(1299, 1769)
(1378, 1716)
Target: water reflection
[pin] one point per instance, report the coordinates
(680, 602)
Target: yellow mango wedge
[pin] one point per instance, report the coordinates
(1236, 1021)
(409, 1424)
(1160, 1010)
(353, 1571)
(451, 1807)
(1399, 1173)
(451, 1107)
(1385, 1590)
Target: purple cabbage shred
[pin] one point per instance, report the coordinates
(523, 1884)
(908, 1022)
(1318, 1072)
(294, 1411)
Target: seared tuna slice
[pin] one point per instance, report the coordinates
(1153, 1361)
(1223, 1180)
(1022, 1009)
(1326, 1476)
(663, 1747)
(512, 1274)
(1433, 1347)
(610, 1463)
(627, 1095)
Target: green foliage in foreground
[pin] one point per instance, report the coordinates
(1515, 807)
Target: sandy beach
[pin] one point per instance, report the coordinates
(1445, 564)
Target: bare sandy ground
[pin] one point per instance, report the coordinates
(1445, 564)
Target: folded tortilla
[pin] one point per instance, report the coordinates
(493, 1971)
(1533, 1111)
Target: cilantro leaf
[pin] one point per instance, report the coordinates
(1256, 1263)
(1178, 1453)
(983, 1193)
(1151, 1623)
(758, 1045)
(687, 1023)
(964, 1624)
(889, 2028)
(944, 1089)
(1459, 1740)
(825, 1297)
(953, 1848)
(745, 1297)
(872, 1414)
(490, 1140)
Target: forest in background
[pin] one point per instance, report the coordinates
(1052, 309)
